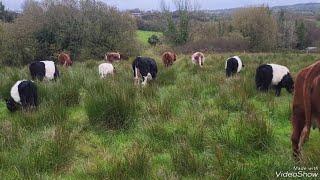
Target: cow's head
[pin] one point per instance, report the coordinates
(288, 83)
(11, 104)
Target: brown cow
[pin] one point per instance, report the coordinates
(306, 106)
(65, 59)
(112, 57)
(168, 58)
(198, 58)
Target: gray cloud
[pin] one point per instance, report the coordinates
(155, 4)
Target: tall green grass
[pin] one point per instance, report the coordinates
(189, 123)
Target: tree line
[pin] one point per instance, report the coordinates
(88, 29)
(253, 29)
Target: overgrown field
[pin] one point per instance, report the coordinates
(190, 122)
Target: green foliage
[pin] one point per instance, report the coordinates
(153, 40)
(189, 123)
(301, 31)
(143, 36)
(6, 16)
(259, 25)
(87, 29)
(178, 34)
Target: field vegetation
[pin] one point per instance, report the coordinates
(190, 122)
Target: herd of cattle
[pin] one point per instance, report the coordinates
(306, 106)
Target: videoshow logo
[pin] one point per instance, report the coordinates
(299, 172)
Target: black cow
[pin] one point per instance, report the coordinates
(274, 75)
(233, 66)
(23, 93)
(43, 69)
(146, 67)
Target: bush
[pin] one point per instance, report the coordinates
(87, 29)
(115, 107)
(153, 40)
(258, 24)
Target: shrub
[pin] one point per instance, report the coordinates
(88, 29)
(153, 40)
(258, 24)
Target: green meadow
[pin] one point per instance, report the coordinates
(144, 35)
(189, 123)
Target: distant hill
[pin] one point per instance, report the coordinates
(306, 8)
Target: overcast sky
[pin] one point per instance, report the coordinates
(155, 4)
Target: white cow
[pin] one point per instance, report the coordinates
(105, 69)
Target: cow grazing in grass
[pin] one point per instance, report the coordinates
(306, 105)
(168, 58)
(23, 93)
(105, 69)
(198, 58)
(43, 70)
(274, 75)
(233, 65)
(144, 67)
(112, 57)
(65, 60)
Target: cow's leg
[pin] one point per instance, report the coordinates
(145, 79)
(135, 73)
(304, 136)
(23, 100)
(298, 121)
(278, 90)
